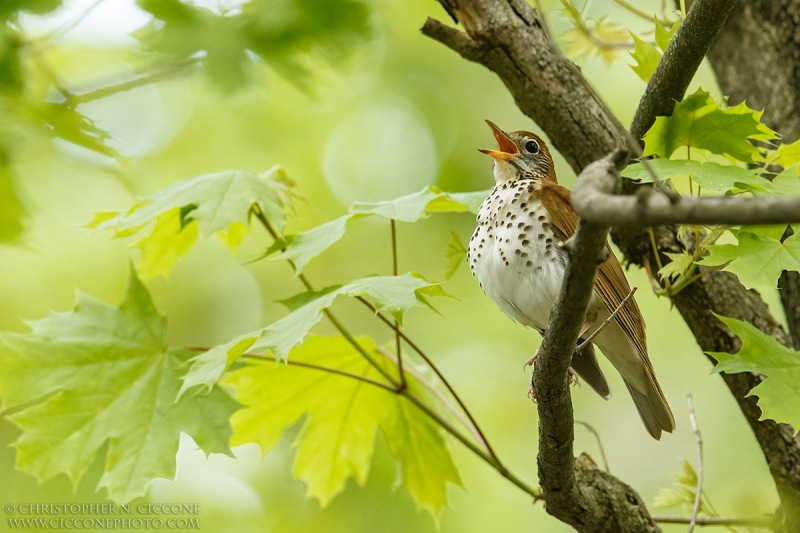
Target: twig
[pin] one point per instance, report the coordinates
(765, 522)
(698, 495)
(397, 344)
(302, 364)
(594, 432)
(445, 382)
(110, 90)
(607, 321)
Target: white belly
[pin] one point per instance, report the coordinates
(515, 255)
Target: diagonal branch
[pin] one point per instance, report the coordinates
(680, 61)
(576, 491)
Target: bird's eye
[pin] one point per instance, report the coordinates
(532, 147)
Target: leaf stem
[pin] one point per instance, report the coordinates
(436, 392)
(330, 370)
(487, 454)
(636, 11)
(397, 343)
(483, 454)
(110, 90)
(447, 426)
(755, 521)
(330, 316)
(481, 436)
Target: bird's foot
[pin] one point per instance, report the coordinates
(531, 361)
(572, 379)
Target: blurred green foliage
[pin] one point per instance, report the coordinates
(280, 32)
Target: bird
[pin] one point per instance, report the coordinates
(515, 253)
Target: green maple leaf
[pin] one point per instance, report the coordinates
(787, 182)
(391, 294)
(778, 395)
(698, 122)
(342, 416)
(98, 376)
(759, 257)
(218, 203)
(647, 58)
(305, 246)
(664, 35)
(786, 155)
(708, 175)
(678, 265)
(300, 249)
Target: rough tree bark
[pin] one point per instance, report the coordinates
(757, 58)
(510, 38)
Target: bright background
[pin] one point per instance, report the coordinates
(400, 113)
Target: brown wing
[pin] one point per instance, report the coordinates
(610, 281)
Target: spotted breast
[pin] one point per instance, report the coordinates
(514, 253)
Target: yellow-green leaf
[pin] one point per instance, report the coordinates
(305, 246)
(698, 122)
(342, 415)
(218, 203)
(390, 294)
(103, 377)
(166, 244)
(778, 395)
(647, 58)
(756, 259)
(678, 265)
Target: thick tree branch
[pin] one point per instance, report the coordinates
(761, 39)
(680, 61)
(509, 38)
(576, 491)
(649, 207)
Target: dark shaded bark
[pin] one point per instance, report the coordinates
(757, 58)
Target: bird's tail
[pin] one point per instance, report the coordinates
(584, 362)
(652, 407)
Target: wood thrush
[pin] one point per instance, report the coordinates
(515, 255)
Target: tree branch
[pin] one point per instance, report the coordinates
(576, 491)
(680, 61)
(649, 207)
(760, 38)
(510, 38)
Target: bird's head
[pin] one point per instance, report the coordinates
(520, 154)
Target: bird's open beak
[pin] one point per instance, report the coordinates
(506, 149)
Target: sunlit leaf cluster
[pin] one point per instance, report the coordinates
(140, 393)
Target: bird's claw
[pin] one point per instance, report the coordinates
(572, 379)
(531, 361)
